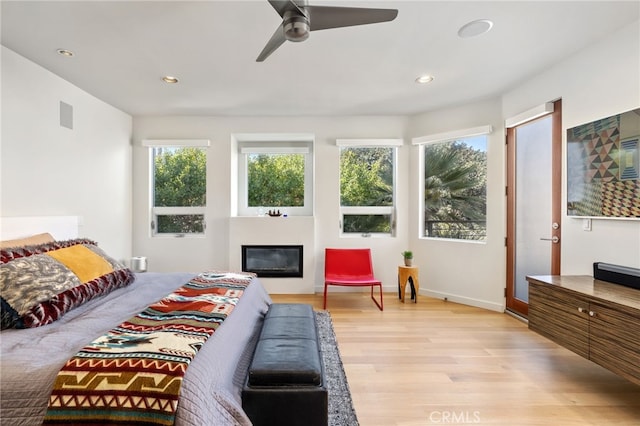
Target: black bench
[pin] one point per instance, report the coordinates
(285, 383)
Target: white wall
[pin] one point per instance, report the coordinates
(47, 169)
(591, 86)
(54, 171)
(213, 251)
(597, 82)
(466, 272)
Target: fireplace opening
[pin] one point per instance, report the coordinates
(273, 261)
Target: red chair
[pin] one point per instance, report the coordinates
(350, 267)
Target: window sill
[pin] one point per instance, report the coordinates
(366, 236)
(179, 236)
(455, 240)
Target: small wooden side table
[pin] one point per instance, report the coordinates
(408, 273)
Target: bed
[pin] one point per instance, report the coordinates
(31, 358)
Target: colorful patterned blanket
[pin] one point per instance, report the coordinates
(132, 374)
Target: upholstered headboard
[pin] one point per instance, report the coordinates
(60, 227)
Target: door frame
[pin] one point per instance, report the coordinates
(512, 303)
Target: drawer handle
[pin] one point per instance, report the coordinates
(592, 314)
(582, 310)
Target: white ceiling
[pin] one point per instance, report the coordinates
(123, 49)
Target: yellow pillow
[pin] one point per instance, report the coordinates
(29, 241)
(83, 262)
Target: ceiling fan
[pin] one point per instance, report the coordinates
(299, 18)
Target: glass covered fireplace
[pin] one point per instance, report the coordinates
(273, 260)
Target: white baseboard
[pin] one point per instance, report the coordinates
(484, 304)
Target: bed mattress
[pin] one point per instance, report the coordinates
(30, 359)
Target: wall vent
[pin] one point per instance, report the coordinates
(66, 115)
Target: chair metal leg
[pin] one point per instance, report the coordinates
(325, 297)
(379, 305)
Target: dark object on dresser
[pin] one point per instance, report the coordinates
(623, 275)
(285, 383)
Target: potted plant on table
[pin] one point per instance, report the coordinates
(408, 257)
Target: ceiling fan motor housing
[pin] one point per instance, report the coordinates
(296, 20)
(296, 26)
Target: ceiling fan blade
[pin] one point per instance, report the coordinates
(325, 17)
(274, 42)
(281, 6)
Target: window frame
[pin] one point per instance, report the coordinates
(275, 144)
(446, 137)
(155, 211)
(390, 211)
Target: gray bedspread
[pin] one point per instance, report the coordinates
(30, 359)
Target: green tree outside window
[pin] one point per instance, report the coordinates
(179, 181)
(276, 180)
(366, 180)
(455, 198)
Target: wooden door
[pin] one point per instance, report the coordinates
(534, 176)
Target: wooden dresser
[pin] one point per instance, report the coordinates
(595, 319)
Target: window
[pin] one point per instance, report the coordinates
(178, 189)
(455, 188)
(367, 186)
(275, 175)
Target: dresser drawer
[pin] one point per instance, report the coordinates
(560, 316)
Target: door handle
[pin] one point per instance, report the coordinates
(555, 239)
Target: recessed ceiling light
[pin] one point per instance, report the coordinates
(65, 52)
(475, 28)
(424, 79)
(170, 79)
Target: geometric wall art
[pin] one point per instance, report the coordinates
(629, 159)
(603, 165)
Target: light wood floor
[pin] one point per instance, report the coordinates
(442, 363)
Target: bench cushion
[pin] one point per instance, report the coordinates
(287, 352)
(282, 362)
(289, 328)
(290, 310)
